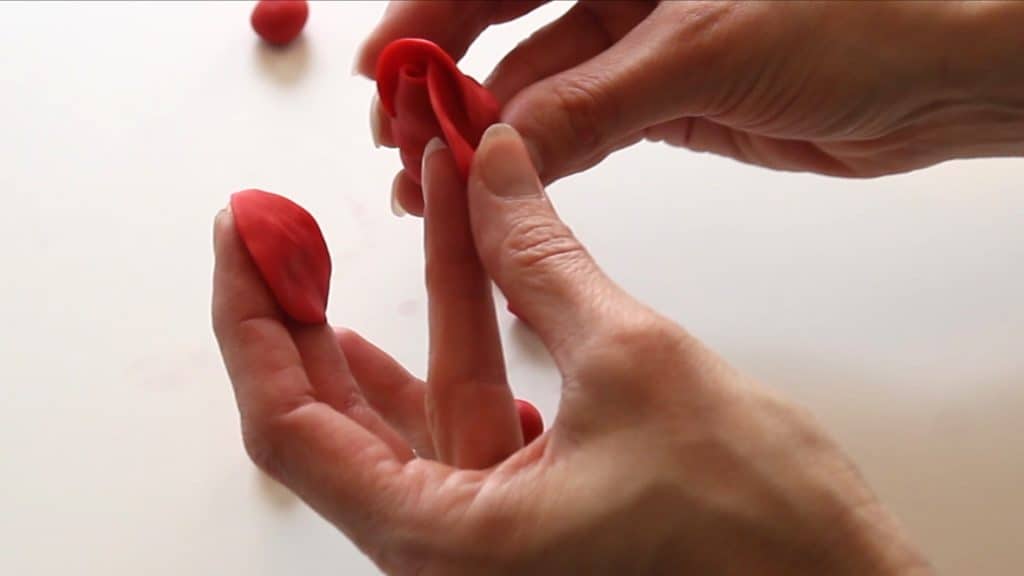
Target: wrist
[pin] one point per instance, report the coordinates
(831, 523)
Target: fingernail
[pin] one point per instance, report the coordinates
(375, 128)
(217, 222)
(506, 168)
(396, 206)
(222, 214)
(434, 145)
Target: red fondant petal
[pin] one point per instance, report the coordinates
(289, 251)
(427, 96)
(418, 124)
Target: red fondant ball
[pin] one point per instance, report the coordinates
(530, 420)
(279, 22)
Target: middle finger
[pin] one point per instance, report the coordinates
(470, 407)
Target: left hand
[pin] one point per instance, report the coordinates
(463, 415)
(662, 460)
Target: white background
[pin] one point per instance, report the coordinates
(892, 306)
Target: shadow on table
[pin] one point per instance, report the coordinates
(284, 65)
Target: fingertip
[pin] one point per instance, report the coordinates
(224, 232)
(223, 217)
(375, 121)
(343, 335)
(353, 347)
(411, 200)
(359, 67)
(432, 148)
(407, 196)
(352, 344)
(396, 205)
(439, 176)
(221, 221)
(435, 145)
(365, 62)
(238, 289)
(380, 125)
(443, 193)
(387, 28)
(365, 66)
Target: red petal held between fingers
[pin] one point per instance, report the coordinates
(279, 22)
(426, 95)
(289, 250)
(530, 420)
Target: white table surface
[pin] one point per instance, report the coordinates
(892, 306)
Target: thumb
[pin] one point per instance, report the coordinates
(547, 276)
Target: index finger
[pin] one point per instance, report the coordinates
(451, 24)
(338, 466)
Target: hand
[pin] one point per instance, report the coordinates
(662, 460)
(847, 89)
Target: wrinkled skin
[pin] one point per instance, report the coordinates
(855, 89)
(662, 459)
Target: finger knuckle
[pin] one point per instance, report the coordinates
(631, 349)
(703, 40)
(587, 109)
(646, 337)
(542, 245)
(520, 65)
(266, 438)
(261, 450)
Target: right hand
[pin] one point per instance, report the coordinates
(847, 89)
(662, 458)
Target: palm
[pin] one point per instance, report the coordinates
(446, 451)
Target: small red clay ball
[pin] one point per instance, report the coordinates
(279, 22)
(530, 420)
